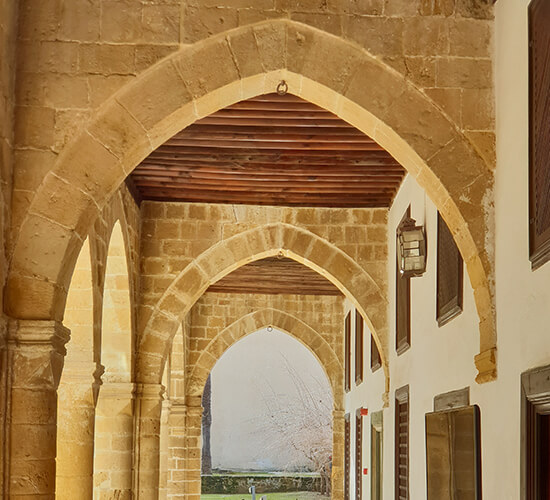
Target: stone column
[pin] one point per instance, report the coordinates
(164, 430)
(184, 449)
(114, 441)
(192, 460)
(147, 447)
(338, 450)
(77, 397)
(34, 362)
(176, 450)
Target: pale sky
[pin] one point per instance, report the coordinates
(251, 377)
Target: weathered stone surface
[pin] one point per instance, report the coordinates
(72, 57)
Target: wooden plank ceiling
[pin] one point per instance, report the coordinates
(270, 150)
(275, 275)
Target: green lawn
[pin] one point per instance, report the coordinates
(298, 495)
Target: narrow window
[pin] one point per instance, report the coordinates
(347, 353)
(375, 360)
(376, 456)
(535, 434)
(358, 455)
(539, 133)
(358, 348)
(347, 457)
(449, 275)
(402, 443)
(403, 305)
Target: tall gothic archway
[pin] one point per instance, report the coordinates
(231, 253)
(328, 359)
(221, 70)
(115, 412)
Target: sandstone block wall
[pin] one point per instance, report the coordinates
(443, 46)
(73, 55)
(8, 37)
(175, 234)
(214, 312)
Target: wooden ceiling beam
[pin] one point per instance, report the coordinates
(341, 189)
(324, 200)
(275, 154)
(353, 184)
(215, 145)
(273, 121)
(200, 135)
(305, 175)
(272, 159)
(311, 114)
(269, 129)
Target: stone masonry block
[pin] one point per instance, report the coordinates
(156, 96)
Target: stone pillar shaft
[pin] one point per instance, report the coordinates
(34, 362)
(184, 449)
(75, 429)
(114, 441)
(338, 439)
(147, 446)
(164, 430)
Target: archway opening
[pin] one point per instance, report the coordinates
(115, 411)
(425, 148)
(271, 417)
(77, 388)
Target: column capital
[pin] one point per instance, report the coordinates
(36, 349)
(150, 391)
(338, 414)
(181, 407)
(30, 333)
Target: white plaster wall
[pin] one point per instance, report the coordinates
(441, 359)
(523, 295)
(368, 395)
(246, 374)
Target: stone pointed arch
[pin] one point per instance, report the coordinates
(229, 254)
(219, 71)
(252, 322)
(306, 335)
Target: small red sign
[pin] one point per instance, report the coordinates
(365, 471)
(364, 412)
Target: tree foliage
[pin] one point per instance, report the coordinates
(298, 425)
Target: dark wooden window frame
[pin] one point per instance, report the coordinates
(402, 298)
(376, 474)
(535, 401)
(347, 456)
(401, 398)
(359, 335)
(452, 307)
(539, 148)
(358, 455)
(375, 359)
(347, 353)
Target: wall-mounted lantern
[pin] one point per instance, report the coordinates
(411, 248)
